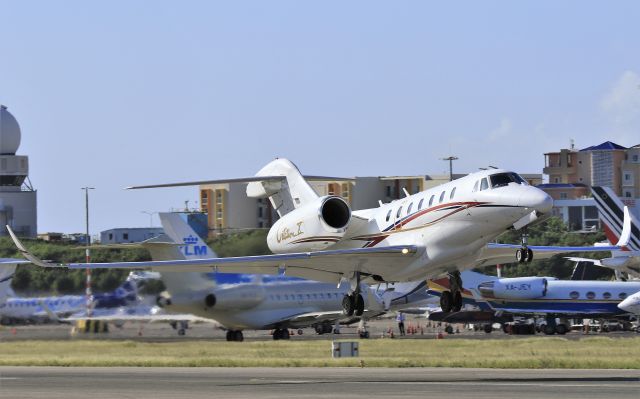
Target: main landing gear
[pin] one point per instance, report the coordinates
(524, 254)
(353, 303)
(281, 333)
(451, 301)
(235, 336)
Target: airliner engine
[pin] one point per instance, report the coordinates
(514, 288)
(312, 227)
(235, 298)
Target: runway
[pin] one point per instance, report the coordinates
(282, 383)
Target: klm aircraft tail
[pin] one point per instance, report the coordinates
(611, 210)
(185, 244)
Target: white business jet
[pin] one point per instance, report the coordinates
(444, 229)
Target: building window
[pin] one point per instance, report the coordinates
(388, 191)
(627, 176)
(556, 180)
(563, 196)
(635, 158)
(628, 194)
(125, 236)
(111, 236)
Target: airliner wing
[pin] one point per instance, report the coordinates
(329, 265)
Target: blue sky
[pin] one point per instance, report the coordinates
(118, 93)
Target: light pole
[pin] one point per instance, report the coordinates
(87, 252)
(450, 159)
(150, 217)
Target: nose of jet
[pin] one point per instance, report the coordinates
(631, 304)
(537, 199)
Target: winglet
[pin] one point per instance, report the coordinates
(28, 255)
(626, 229)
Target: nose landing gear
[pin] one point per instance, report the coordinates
(524, 254)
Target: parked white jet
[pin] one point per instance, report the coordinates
(444, 229)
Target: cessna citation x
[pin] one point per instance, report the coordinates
(444, 229)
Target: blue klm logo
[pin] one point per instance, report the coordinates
(191, 248)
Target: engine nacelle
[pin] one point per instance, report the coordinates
(514, 288)
(235, 298)
(312, 227)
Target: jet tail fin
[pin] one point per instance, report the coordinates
(612, 214)
(287, 194)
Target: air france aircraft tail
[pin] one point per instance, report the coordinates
(611, 210)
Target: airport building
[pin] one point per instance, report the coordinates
(129, 234)
(18, 199)
(229, 208)
(572, 172)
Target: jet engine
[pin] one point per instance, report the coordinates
(514, 288)
(311, 227)
(235, 298)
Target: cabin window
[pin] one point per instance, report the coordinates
(606, 295)
(398, 213)
(622, 295)
(574, 295)
(475, 186)
(591, 295)
(453, 192)
(483, 184)
(420, 204)
(409, 208)
(431, 200)
(441, 197)
(388, 215)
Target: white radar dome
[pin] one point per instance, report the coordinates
(9, 132)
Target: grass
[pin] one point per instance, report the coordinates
(597, 352)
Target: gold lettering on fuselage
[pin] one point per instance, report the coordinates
(285, 234)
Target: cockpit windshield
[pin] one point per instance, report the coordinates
(503, 179)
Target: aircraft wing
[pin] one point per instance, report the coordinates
(329, 265)
(495, 253)
(506, 253)
(140, 317)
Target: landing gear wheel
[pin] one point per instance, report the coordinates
(238, 336)
(348, 305)
(446, 301)
(230, 335)
(181, 332)
(359, 305)
(529, 255)
(561, 329)
(549, 329)
(520, 255)
(487, 328)
(457, 301)
(285, 334)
